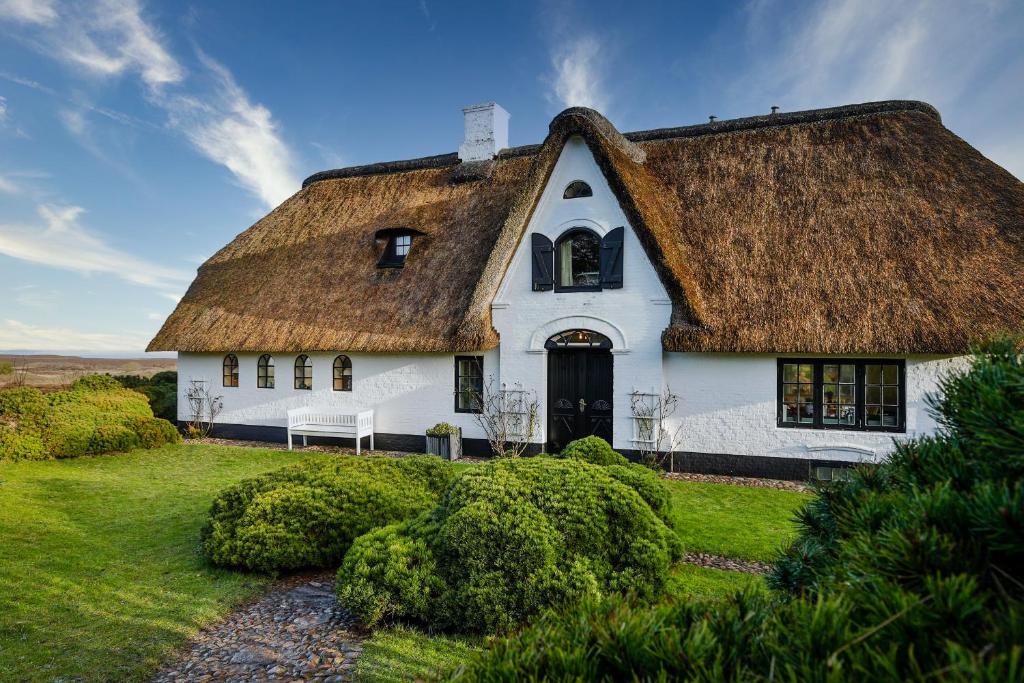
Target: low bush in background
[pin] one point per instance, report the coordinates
(95, 416)
(595, 450)
(161, 389)
(307, 514)
(509, 539)
(908, 571)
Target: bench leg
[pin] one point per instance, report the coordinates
(304, 444)
(359, 442)
(289, 439)
(371, 441)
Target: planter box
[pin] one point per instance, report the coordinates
(448, 447)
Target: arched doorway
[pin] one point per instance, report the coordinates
(579, 387)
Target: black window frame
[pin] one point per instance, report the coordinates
(569, 234)
(295, 383)
(580, 190)
(860, 365)
(265, 363)
(346, 364)
(479, 360)
(391, 258)
(229, 369)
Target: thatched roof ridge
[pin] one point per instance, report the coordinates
(861, 229)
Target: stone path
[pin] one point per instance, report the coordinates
(730, 564)
(297, 632)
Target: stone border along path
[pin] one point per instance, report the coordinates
(296, 632)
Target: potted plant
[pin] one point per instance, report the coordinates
(445, 440)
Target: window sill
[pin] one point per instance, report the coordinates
(845, 429)
(560, 289)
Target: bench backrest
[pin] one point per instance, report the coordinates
(326, 417)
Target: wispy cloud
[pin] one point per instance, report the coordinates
(15, 334)
(578, 79)
(209, 108)
(955, 54)
(28, 11)
(8, 186)
(62, 242)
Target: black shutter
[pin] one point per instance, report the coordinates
(611, 259)
(543, 263)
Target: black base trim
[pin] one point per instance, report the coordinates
(763, 466)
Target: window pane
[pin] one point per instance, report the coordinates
(830, 393)
(789, 393)
(586, 268)
(847, 394)
(890, 374)
(806, 373)
(830, 373)
(872, 395)
(890, 396)
(848, 373)
(890, 416)
(872, 416)
(873, 374)
(847, 415)
(789, 372)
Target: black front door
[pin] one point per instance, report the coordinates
(579, 396)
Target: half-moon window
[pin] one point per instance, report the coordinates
(231, 370)
(577, 189)
(265, 372)
(578, 339)
(303, 372)
(342, 374)
(578, 261)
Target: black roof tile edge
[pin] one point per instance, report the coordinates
(711, 128)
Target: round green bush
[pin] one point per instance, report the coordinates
(95, 383)
(307, 514)
(26, 404)
(595, 450)
(153, 431)
(648, 484)
(112, 438)
(509, 539)
(20, 446)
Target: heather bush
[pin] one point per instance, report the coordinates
(509, 539)
(95, 416)
(307, 514)
(907, 571)
(595, 450)
(161, 389)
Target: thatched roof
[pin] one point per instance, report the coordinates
(862, 229)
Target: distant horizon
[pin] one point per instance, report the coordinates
(109, 355)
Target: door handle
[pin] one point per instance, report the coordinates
(583, 405)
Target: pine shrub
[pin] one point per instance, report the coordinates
(509, 539)
(306, 515)
(907, 571)
(595, 450)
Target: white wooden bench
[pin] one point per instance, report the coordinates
(324, 422)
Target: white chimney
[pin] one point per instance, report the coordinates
(486, 132)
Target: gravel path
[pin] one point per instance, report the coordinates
(730, 564)
(297, 632)
(779, 484)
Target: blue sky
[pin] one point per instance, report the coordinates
(137, 138)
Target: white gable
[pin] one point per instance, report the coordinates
(633, 317)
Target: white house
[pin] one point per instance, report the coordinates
(801, 281)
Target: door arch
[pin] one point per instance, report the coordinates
(580, 380)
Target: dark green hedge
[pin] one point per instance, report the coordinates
(509, 539)
(307, 514)
(909, 571)
(595, 450)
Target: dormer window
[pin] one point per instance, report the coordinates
(577, 189)
(398, 246)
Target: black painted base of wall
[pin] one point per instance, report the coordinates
(769, 467)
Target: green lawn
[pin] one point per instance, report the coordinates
(100, 576)
(99, 571)
(735, 521)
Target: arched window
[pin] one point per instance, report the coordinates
(231, 370)
(342, 374)
(303, 372)
(578, 261)
(577, 189)
(265, 372)
(578, 339)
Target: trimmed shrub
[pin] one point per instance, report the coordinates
(307, 514)
(648, 484)
(161, 389)
(20, 446)
(509, 539)
(79, 422)
(595, 450)
(95, 383)
(907, 571)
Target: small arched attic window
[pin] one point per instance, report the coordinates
(577, 189)
(398, 247)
